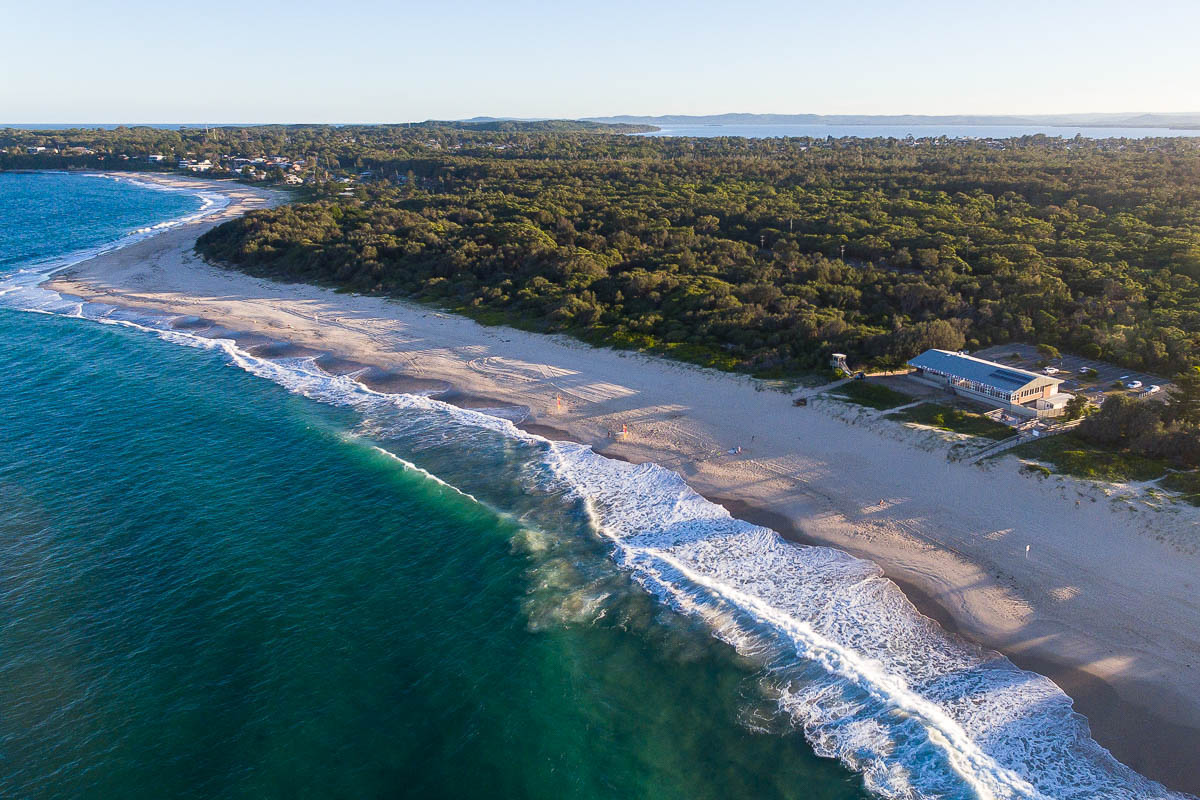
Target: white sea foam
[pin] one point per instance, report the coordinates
(869, 681)
(26, 279)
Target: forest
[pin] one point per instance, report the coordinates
(342, 147)
(754, 255)
(759, 255)
(766, 255)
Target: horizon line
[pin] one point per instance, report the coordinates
(490, 118)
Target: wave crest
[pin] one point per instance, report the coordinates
(869, 680)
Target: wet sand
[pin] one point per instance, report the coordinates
(1107, 606)
(1138, 737)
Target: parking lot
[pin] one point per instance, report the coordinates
(1072, 369)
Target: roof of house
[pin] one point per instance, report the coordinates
(1059, 398)
(1006, 379)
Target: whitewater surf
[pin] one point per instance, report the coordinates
(850, 662)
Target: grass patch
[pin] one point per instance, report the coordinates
(1071, 455)
(872, 395)
(952, 419)
(1186, 483)
(1039, 470)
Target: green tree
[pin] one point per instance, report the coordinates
(937, 334)
(1184, 398)
(1077, 406)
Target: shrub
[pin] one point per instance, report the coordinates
(1072, 455)
(1186, 483)
(872, 395)
(952, 419)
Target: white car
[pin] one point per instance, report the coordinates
(1152, 388)
(1051, 370)
(1133, 385)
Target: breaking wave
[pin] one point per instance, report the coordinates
(853, 665)
(31, 274)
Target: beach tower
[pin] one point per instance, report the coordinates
(838, 361)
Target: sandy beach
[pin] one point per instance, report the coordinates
(1105, 602)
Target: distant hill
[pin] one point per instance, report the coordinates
(643, 124)
(1129, 120)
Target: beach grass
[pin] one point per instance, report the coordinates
(872, 395)
(1070, 455)
(1186, 483)
(953, 419)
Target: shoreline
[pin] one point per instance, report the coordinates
(1161, 746)
(1169, 744)
(210, 196)
(977, 592)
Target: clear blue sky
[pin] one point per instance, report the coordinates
(375, 61)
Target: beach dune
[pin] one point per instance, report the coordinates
(1098, 593)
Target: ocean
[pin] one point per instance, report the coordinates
(230, 569)
(765, 131)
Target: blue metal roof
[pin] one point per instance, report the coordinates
(1006, 379)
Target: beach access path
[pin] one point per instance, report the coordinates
(1106, 601)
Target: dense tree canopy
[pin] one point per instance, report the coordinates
(766, 255)
(754, 254)
(762, 255)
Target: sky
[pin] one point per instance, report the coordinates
(375, 61)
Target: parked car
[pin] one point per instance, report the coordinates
(1152, 388)
(1051, 370)
(1133, 385)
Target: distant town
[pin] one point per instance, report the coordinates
(275, 168)
(318, 155)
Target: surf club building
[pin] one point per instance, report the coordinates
(1017, 391)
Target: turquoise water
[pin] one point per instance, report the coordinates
(213, 587)
(47, 215)
(227, 569)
